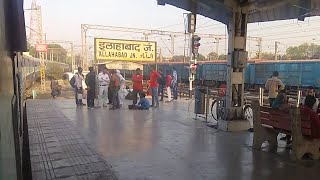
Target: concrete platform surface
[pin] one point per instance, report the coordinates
(57, 150)
(166, 144)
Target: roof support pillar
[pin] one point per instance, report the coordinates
(230, 114)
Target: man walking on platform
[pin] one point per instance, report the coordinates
(272, 85)
(154, 76)
(175, 83)
(162, 84)
(78, 88)
(114, 87)
(91, 87)
(137, 85)
(104, 81)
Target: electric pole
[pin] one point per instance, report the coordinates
(276, 50)
(217, 46)
(260, 48)
(172, 44)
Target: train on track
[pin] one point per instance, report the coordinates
(30, 69)
(293, 73)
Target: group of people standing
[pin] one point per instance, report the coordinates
(160, 81)
(111, 87)
(157, 83)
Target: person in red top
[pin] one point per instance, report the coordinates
(137, 85)
(154, 75)
(168, 84)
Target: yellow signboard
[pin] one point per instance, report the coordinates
(124, 50)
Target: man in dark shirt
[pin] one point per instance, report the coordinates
(91, 84)
(162, 84)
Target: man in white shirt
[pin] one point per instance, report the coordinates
(78, 86)
(272, 85)
(104, 82)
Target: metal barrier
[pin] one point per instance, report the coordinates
(202, 98)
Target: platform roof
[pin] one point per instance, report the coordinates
(258, 10)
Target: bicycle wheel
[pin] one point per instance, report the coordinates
(248, 114)
(214, 109)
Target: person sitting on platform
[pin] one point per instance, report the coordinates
(309, 103)
(143, 104)
(281, 102)
(311, 95)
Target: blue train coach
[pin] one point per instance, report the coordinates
(293, 73)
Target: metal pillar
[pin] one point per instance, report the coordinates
(217, 46)
(276, 50)
(146, 36)
(85, 64)
(260, 48)
(160, 55)
(172, 44)
(72, 57)
(83, 44)
(231, 118)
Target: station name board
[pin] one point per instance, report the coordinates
(124, 50)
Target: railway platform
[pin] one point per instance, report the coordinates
(164, 143)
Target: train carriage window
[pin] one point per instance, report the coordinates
(283, 67)
(294, 67)
(270, 67)
(307, 67)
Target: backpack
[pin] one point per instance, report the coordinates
(72, 82)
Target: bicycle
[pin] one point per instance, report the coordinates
(219, 102)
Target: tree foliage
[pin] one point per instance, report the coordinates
(222, 57)
(54, 71)
(303, 51)
(265, 55)
(179, 58)
(201, 58)
(213, 56)
(55, 52)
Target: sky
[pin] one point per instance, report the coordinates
(62, 20)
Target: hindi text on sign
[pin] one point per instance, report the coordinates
(124, 50)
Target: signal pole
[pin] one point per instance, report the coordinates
(191, 29)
